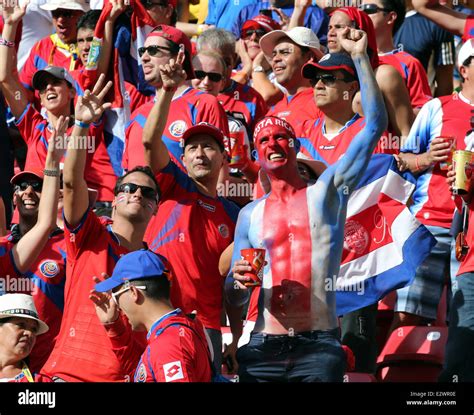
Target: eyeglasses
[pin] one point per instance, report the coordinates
(67, 14)
(327, 79)
(37, 186)
(131, 188)
(213, 76)
(248, 33)
(373, 8)
(126, 287)
(155, 50)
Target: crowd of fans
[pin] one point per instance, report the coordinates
(145, 143)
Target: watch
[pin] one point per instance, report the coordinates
(258, 68)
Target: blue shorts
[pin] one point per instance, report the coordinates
(424, 294)
(313, 356)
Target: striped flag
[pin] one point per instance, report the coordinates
(383, 242)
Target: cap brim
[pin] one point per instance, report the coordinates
(310, 69)
(316, 166)
(204, 129)
(268, 42)
(107, 285)
(52, 6)
(42, 326)
(25, 173)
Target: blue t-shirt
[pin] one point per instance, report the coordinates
(421, 37)
(221, 13)
(315, 18)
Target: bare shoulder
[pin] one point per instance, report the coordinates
(388, 77)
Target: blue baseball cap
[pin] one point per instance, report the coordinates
(133, 266)
(330, 62)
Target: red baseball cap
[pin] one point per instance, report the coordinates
(205, 128)
(177, 37)
(260, 22)
(37, 172)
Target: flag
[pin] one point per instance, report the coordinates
(383, 242)
(125, 66)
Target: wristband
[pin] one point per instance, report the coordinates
(81, 124)
(51, 173)
(7, 43)
(417, 166)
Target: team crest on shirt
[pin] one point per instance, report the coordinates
(49, 268)
(223, 230)
(177, 128)
(140, 376)
(356, 237)
(173, 371)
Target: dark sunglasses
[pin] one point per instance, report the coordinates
(37, 186)
(373, 8)
(213, 76)
(131, 188)
(327, 79)
(67, 14)
(250, 32)
(154, 50)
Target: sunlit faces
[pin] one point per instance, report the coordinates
(338, 22)
(65, 22)
(287, 61)
(229, 59)
(251, 39)
(133, 204)
(202, 157)
(56, 95)
(17, 337)
(209, 65)
(379, 16)
(330, 88)
(151, 64)
(467, 73)
(275, 146)
(84, 41)
(27, 196)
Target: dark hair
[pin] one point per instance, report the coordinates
(398, 6)
(5, 320)
(157, 288)
(468, 61)
(89, 20)
(141, 169)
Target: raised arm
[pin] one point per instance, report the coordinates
(156, 152)
(89, 108)
(352, 166)
(13, 90)
(450, 20)
(32, 243)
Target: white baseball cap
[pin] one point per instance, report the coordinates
(82, 5)
(21, 305)
(466, 51)
(300, 35)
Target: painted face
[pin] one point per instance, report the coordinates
(65, 23)
(338, 22)
(207, 70)
(154, 57)
(17, 337)
(56, 95)
(135, 203)
(202, 158)
(275, 144)
(84, 41)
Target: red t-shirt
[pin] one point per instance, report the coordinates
(47, 276)
(296, 109)
(186, 110)
(83, 351)
(468, 28)
(36, 132)
(173, 354)
(413, 74)
(192, 230)
(245, 100)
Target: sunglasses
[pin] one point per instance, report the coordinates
(126, 287)
(373, 8)
(213, 76)
(156, 51)
(327, 79)
(248, 33)
(37, 186)
(131, 188)
(67, 14)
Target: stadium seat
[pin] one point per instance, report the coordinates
(356, 377)
(384, 318)
(413, 354)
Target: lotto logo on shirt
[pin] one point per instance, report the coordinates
(173, 371)
(177, 128)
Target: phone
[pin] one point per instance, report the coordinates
(266, 12)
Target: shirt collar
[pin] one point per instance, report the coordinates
(172, 313)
